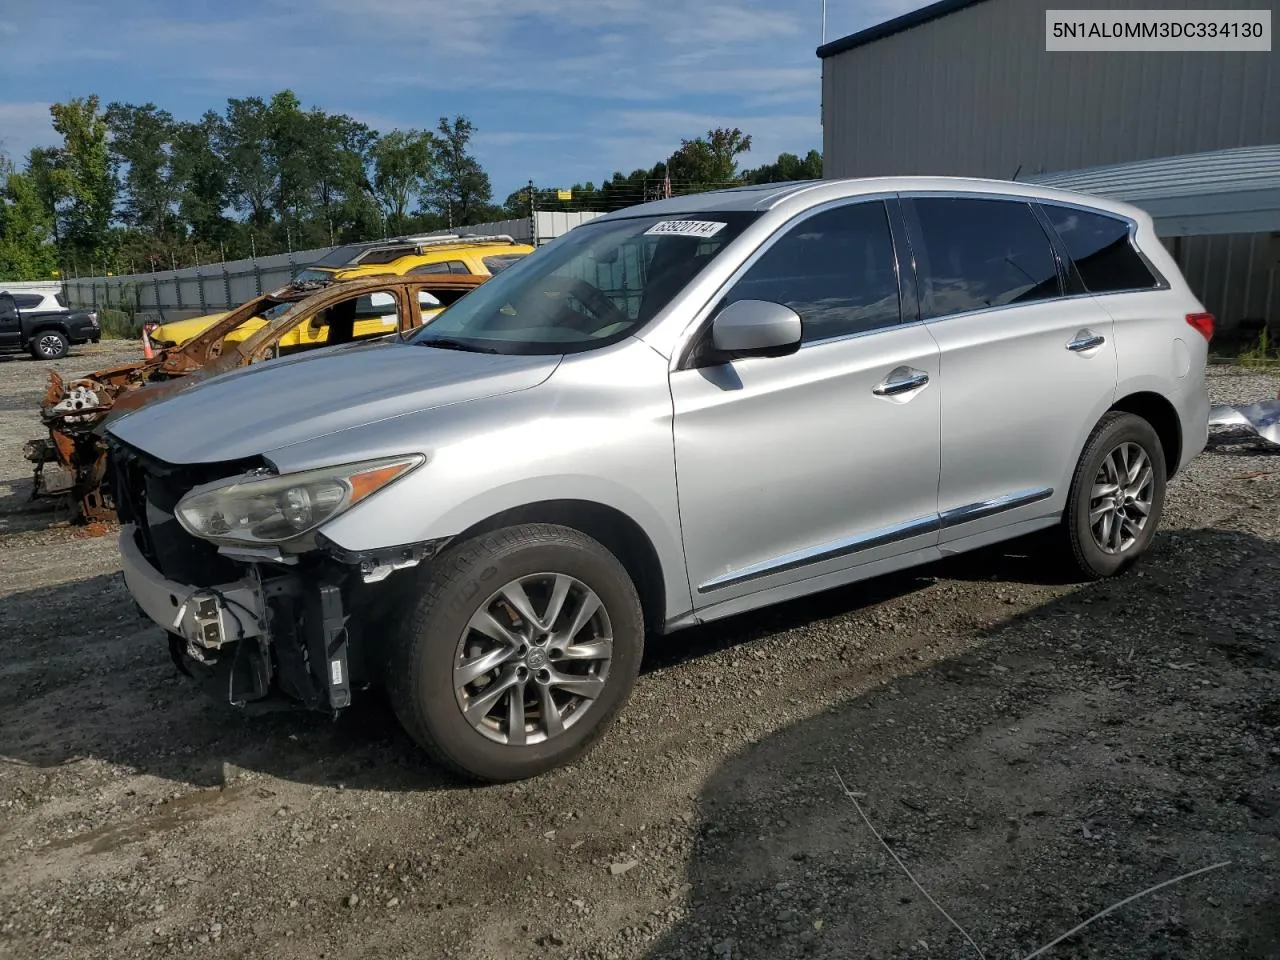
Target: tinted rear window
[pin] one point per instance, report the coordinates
(61, 298)
(974, 254)
(1101, 249)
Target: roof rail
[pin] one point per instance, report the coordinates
(441, 240)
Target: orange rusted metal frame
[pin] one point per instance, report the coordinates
(129, 386)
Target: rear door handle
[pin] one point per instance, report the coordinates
(1086, 340)
(901, 380)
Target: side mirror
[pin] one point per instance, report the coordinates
(756, 328)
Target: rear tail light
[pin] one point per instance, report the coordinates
(1203, 322)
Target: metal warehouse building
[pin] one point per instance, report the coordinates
(966, 88)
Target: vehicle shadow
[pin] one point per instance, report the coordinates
(94, 679)
(1117, 736)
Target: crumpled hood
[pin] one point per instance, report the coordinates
(265, 406)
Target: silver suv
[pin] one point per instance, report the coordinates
(674, 413)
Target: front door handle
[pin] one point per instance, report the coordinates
(1086, 340)
(901, 380)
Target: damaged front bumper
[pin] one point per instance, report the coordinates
(261, 639)
(207, 618)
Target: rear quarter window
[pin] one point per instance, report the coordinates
(1101, 249)
(28, 301)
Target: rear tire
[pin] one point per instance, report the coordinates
(464, 655)
(1116, 497)
(49, 345)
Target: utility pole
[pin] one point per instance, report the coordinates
(533, 218)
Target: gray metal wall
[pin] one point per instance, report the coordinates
(975, 93)
(193, 291)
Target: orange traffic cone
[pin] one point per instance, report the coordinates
(146, 345)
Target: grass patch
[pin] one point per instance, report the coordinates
(1260, 356)
(118, 325)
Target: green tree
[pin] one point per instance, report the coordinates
(243, 141)
(787, 167)
(42, 167)
(140, 154)
(710, 160)
(290, 139)
(459, 190)
(339, 149)
(83, 176)
(202, 179)
(27, 251)
(402, 169)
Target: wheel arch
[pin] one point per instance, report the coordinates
(614, 530)
(1163, 417)
(44, 325)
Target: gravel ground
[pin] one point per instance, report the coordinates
(1033, 751)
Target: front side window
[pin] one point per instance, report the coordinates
(836, 269)
(1101, 250)
(340, 318)
(978, 253)
(598, 283)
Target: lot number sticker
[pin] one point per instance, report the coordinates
(686, 228)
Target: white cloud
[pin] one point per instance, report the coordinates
(23, 126)
(558, 89)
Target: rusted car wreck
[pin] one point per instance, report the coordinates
(71, 460)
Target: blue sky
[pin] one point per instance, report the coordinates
(559, 90)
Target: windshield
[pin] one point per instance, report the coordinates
(599, 283)
(499, 262)
(311, 273)
(342, 256)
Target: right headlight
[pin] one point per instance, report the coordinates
(257, 510)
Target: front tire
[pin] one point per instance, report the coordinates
(1116, 497)
(49, 345)
(521, 649)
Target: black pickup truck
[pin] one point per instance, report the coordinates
(45, 333)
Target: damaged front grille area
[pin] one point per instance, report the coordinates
(147, 491)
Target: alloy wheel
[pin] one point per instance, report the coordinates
(533, 659)
(49, 346)
(1121, 499)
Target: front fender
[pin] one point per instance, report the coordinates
(388, 519)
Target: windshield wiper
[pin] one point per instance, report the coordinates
(449, 343)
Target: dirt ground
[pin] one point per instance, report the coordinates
(1034, 752)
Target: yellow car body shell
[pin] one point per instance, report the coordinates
(471, 255)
